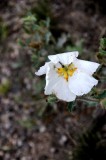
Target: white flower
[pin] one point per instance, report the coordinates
(67, 76)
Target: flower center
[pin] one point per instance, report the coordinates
(66, 71)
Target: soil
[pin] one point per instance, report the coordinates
(24, 134)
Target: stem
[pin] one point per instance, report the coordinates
(89, 99)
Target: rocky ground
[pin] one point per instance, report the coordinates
(24, 133)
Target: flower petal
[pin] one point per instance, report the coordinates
(62, 91)
(58, 85)
(42, 69)
(64, 58)
(86, 66)
(51, 79)
(81, 83)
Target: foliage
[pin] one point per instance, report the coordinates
(101, 94)
(27, 123)
(102, 51)
(42, 9)
(103, 103)
(3, 30)
(38, 38)
(5, 87)
(52, 99)
(70, 106)
(92, 143)
(41, 41)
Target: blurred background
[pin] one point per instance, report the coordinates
(32, 125)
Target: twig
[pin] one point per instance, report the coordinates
(88, 99)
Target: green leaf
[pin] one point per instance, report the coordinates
(21, 43)
(51, 99)
(76, 47)
(102, 58)
(103, 103)
(103, 43)
(48, 22)
(41, 110)
(3, 31)
(102, 48)
(16, 65)
(29, 19)
(47, 37)
(71, 106)
(27, 123)
(102, 52)
(101, 95)
(5, 87)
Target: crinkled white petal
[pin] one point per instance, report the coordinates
(51, 79)
(64, 58)
(42, 69)
(62, 91)
(57, 85)
(86, 66)
(81, 83)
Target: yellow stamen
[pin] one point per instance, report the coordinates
(71, 66)
(60, 70)
(66, 76)
(66, 71)
(71, 71)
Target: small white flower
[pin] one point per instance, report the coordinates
(67, 76)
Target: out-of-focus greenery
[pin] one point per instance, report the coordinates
(38, 38)
(92, 143)
(5, 87)
(102, 51)
(103, 103)
(27, 123)
(70, 106)
(3, 30)
(41, 41)
(102, 59)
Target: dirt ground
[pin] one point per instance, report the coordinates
(24, 134)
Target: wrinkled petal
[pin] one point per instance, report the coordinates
(42, 69)
(51, 79)
(64, 58)
(81, 83)
(86, 66)
(58, 86)
(62, 91)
